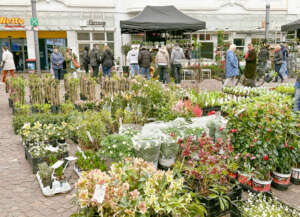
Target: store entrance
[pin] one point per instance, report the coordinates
(18, 48)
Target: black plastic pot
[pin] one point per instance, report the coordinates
(125, 71)
(54, 109)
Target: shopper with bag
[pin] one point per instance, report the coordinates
(278, 61)
(107, 61)
(57, 63)
(7, 64)
(95, 60)
(71, 62)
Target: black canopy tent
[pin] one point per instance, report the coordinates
(291, 26)
(161, 19)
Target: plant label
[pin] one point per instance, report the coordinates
(57, 164)
(71, 158)
(79, 149)
(99, 193)
(90, 137)
(52, 149)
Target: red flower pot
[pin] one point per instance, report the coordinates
(244, 178)
(261, 186)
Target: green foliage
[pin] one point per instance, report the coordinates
(89, 161)
(45, 173)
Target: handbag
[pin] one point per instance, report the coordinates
(75, 63)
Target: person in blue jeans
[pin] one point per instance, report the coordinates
(133, 60)
(297, 95)
(107, 61)
(145, 59)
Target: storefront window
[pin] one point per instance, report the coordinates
(99, 36)
(110, 36)
(240, 44)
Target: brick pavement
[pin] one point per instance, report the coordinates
(20, 194)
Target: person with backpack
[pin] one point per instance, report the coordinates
(86, 59)
(145, 60)
(107, 61)
(176, 56)
(8, 64)
(95, 60)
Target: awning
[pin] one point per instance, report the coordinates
(291, 26)
(161, 19)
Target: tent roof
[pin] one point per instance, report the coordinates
(291, 26)
(161, 18)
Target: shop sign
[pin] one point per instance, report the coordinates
(96, 23)
(12, 22)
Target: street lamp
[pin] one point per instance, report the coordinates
(267, 20)
(34, 25)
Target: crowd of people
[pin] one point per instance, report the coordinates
(257, 66)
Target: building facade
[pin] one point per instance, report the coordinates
(80, 23)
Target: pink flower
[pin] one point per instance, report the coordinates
(186, 152)
(142, 207)
(197, 111)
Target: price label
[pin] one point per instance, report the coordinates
(57, 164)
(99, 193)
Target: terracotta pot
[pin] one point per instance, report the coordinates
(261, 186)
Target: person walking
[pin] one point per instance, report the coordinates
(107, 61)
(7, 63)
(250, 68)
(278, 61)
(263, 57)
(57, 60)
(176, 56)
(162, 61)
(95, 60)
(232, 66)
(68, 57)
(297, 94)
(86, 59)
(285, 56)
(145, 60)
(133, 60)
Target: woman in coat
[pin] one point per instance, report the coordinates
(163, 61)
(68, 57)
(7, 64)
(232, 66)
(278, 60)
(250, 69)
(107, 61)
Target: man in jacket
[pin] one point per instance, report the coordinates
(7, 64)
(250, 69)
(145, 60)
(285, 57)
(133, 60)
(95, 60)
(278, 61)
(176, 56)
(86, 59)
(107, 61)
(263, 57)
(57, 60)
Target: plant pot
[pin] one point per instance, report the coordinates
(54, 109)
(261, 186)
(295, 179)
(244, 179)
(167, 163)
(281, 181)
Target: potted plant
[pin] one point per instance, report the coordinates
(45, 174)
(295, 178)
(87, 161)
(261, 179)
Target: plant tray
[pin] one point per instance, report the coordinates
(34, 162)
(57, 187)
(213, 205)
(236, 212)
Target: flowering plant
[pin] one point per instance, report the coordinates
(261, 205)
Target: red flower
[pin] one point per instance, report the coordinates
(250, 146)
(214, 171)
(197, 111)
(266, 157)
(221, 129)
(254, 140)
(211, 113)
(285, 145)
(291, 148)
(179, 141)
(186, 152)
(234, 130)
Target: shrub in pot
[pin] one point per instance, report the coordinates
(45, 173)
